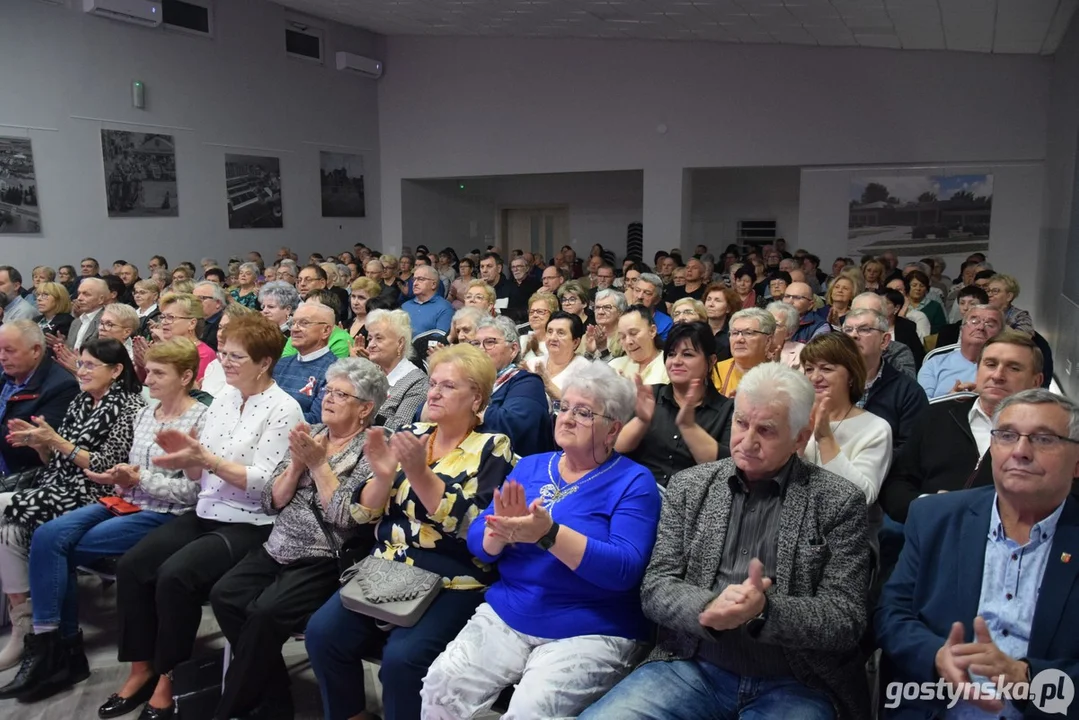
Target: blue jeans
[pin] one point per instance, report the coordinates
(78, 538)
(338, 639)
(698, 690)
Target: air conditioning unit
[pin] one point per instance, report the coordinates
(359, 64)
(139, 12)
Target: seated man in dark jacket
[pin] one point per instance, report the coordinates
(889, 394)
(33, 385)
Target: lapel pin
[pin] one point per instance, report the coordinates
(1065, 557)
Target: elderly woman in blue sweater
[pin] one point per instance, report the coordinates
(571, 533)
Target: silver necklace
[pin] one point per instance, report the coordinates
(816, 448)
(553, 491)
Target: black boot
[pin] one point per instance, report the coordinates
(42, 656)
(78, 666)
(71, 667)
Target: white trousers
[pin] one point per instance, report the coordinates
(555, 679)
(14, 558)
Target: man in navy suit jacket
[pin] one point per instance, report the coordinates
(986, 585)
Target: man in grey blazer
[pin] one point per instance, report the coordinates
(758, 580)
(92, 296)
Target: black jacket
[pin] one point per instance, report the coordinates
(898, 399)
(939, 455)
(949, 334)
(906, 332)
(50, 390)
(209, 330)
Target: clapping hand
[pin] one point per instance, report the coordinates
(509, 500)
(981, 657)
(139, 346)
(377, 450)
(182, 450)
(411, 452)
(687, 414)
(738, 604)
(65, 357)
(526, 528)
(359, 347)
(38, 436)
(310, 451)
(821, 418)
(53, 340)
(123, 475)
(645, 406)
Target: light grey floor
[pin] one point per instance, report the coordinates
(98, 620)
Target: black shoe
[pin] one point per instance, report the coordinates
(43, 657)
(151, 713)
(116, 706)
(72, 667)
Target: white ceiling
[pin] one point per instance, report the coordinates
(998, 26)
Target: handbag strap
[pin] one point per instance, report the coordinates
(316, 508)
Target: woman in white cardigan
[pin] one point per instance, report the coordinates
(847, 440)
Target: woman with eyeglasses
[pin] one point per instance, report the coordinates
(565, 334)
(782, 348)
(96, 434)
(246, 291)
(181, 316)
(574, 300)
(429, 483)
(639, 338)
(389, 345)
(460, 286)
(686, 422)
(541, 306)
(847, 440)
(601, 339)
(570, 533)
(275, 589)
(162, 582)
(481, 296)
(1002, 291)
(146, 293)
(214, 381)
(147, 496)
(688, 310)
(751, 332)
(54, 304)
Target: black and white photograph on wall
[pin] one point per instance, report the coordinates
(253, 188)
(920, 215)
(19, 212)
(342, 185)
(140, 174)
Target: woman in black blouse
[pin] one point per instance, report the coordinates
(54, 304)
(685, 423)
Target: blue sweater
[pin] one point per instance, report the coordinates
(539, 595)
(518, 410)
(305, 381)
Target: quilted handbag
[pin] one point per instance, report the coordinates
(390, 592)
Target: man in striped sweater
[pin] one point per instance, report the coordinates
(303, 375)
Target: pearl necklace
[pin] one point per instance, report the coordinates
(553, 491)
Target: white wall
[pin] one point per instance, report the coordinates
(723, 196)
(438, 213)
(458, 107)
(1017, 198)
(1058, 234)
(237, 88)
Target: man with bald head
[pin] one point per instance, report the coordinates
(92, 296)
(303, 375)
(427, 309)
(810, 324)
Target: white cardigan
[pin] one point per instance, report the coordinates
(865, 452)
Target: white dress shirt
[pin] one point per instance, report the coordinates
(980, 425)
(254, 434)
(84, 327)
(402, 368)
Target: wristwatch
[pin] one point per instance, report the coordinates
(547, 541)
(755, 624)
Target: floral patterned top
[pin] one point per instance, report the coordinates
(438, 542)
(250, 300)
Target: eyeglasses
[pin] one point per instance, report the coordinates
(539, 312)
(788, 297)
(1041, 440)
(581, 413)
(107, 325)
(605, 308)
(167, 319)
(685, 313)
(486, 343)
(338, 395)
(304, 324)
(86, 365)
(863, 331)
(993, 291)
(978, 322)
(442, 387)
(746, 333)
(231, 358)
(476, 297)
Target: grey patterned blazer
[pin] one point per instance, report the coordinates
(818, 602)
(403, 401)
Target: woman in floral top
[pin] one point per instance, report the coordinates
(430, 481)
(247, 292)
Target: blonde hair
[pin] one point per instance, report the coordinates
(543, 296)
(59, 293)
(487, 290)
(473, 363)
(180, 353)
(1011, 285)
(697, 305)
(124, 314)
(148, 286)
(854, 277)
(191, 304)
(366, 284)
(183, 287)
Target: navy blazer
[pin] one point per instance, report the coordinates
(938, 581)
(519, 410)
(50, 390)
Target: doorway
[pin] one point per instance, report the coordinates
(541, 230)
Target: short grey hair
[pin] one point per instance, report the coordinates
(618, 298)
(212, 262)
(880, 322)
(983, 266)
(468, 313)
(374, 261)
(792, 264)
(343, 271)
(251, 267)
(615, 394)
(366, 378)
(877, 300)
(290, 264)
(938, 262)
(282, 293)
(505, 326)
(218, 291)
(990, 308)
(125, 315)
(398, 322)
(765, 321)
(425, 269)
(920, 266)
(789, 315)
(775, 383)
(652, 279)
(28, 330)
(1041, 396)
